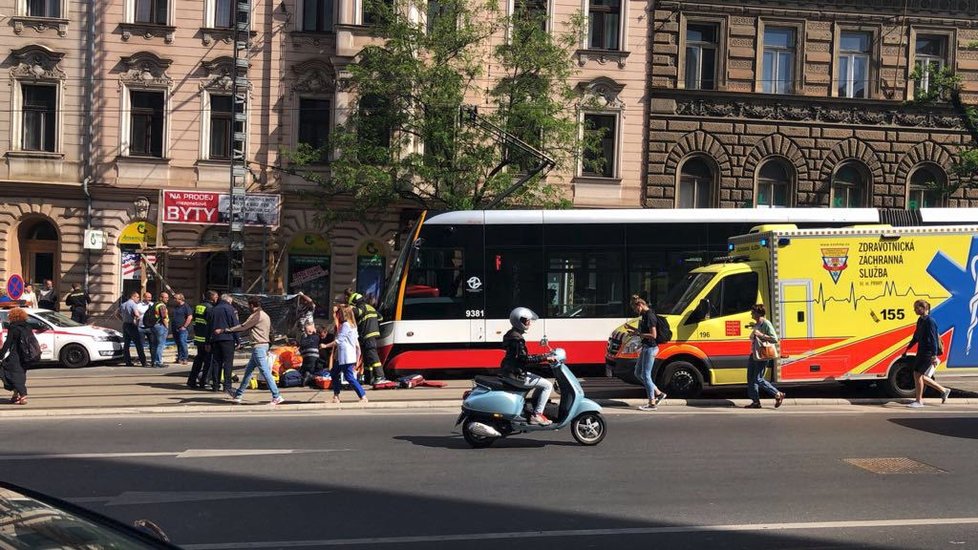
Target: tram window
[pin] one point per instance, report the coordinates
(572, 235)
(434, 288)
(734, 294)
(584, 284)
(514, 277)
(509, 235)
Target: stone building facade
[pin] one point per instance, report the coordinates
(111, 102)
(772, 103)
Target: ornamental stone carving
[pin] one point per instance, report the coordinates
(828, 112)
(314, 77)
(148, 31)
(220, 74)
(36, 62)
(146, 70)
(39, 24)
(604, 91)
(602, 57)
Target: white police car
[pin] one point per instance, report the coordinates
(67, 342)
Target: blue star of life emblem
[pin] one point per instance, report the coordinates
(960, 311)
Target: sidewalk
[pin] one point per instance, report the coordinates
(118, 390)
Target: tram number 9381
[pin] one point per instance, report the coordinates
(475, 313)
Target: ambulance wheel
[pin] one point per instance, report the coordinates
(682, 379)
(74, 356)
(475, 441)
(589, 428)
(899, 383)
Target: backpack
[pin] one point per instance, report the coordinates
(662, 331)
(30, 349)
(150, 318)
(291, 378)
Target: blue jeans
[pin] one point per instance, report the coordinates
(159, 342)
(347, 372)
(259, 359)
(643, 369)
(180, 338)
(755, 378)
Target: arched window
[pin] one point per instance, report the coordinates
(849, 184)
(926, 184)
(774, 185)
(695, 184)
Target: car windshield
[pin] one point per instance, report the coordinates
(679, 298)
(56, 319)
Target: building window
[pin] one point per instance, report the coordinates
(317, 15)
(599, 161)
(531, 11)
(695, 185)
(930, 53)
(701, 56)
(373, 11)
(604, 24)
(223, 13)
(849, 186)
(40, 117)
(146, 123)
(221, 117)
(151, 11)
(926, 184)
(773, 185)
(44, 8)
(437, 12)
(314, 125)
(854, 49)
(779, 61)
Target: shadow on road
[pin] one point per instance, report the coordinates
(962, 427)
(456, 442)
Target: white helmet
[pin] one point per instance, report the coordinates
(519, 315)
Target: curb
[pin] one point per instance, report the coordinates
(616, 404)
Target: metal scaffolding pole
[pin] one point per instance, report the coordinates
(239, 167)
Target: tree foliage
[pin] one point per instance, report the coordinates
(403, 142)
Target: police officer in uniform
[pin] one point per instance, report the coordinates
(368, 327)
(202, 360)
(77, 301)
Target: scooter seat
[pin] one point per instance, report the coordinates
(502, 383)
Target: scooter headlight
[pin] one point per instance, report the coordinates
(633, 344)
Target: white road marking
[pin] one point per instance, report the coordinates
(189, 453)
(818, 525)
(133, 498)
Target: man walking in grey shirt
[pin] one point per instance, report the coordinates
(259, 325)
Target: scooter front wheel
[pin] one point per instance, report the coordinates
(589, 428)
(474, 440)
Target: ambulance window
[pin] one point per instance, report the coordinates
(734, 294)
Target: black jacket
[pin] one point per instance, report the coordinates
(517, 358)
(16, 341)
(368, 320)
(222, 316)
(77, 301)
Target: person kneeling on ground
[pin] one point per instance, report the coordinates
(517, 359)
(309, 350)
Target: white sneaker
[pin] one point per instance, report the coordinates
(945, 395)
(648, 407)
(278, 400)
(915, 405)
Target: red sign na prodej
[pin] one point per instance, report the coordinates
(210, 208)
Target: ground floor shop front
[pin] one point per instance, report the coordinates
(44, 239)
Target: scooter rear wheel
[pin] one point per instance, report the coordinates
(475, 441)
(589, 428)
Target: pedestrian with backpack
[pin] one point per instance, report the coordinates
(20, 350)
(155, 321)
(648, 326)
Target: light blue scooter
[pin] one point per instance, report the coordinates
(498, 407)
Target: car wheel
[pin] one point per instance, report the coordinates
(899, 382)
(682, 379)
(74, 356)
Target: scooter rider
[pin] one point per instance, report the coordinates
(517, 360)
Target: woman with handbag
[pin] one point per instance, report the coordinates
(763, 352)
(14, 353)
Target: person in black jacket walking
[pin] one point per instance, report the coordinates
(222, 343)
(201, 369)
(929, 349)
(14, 348)
(77, 301)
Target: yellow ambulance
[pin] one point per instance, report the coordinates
(840, 299)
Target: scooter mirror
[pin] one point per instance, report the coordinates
(544, 342)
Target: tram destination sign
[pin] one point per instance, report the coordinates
(211, 208)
